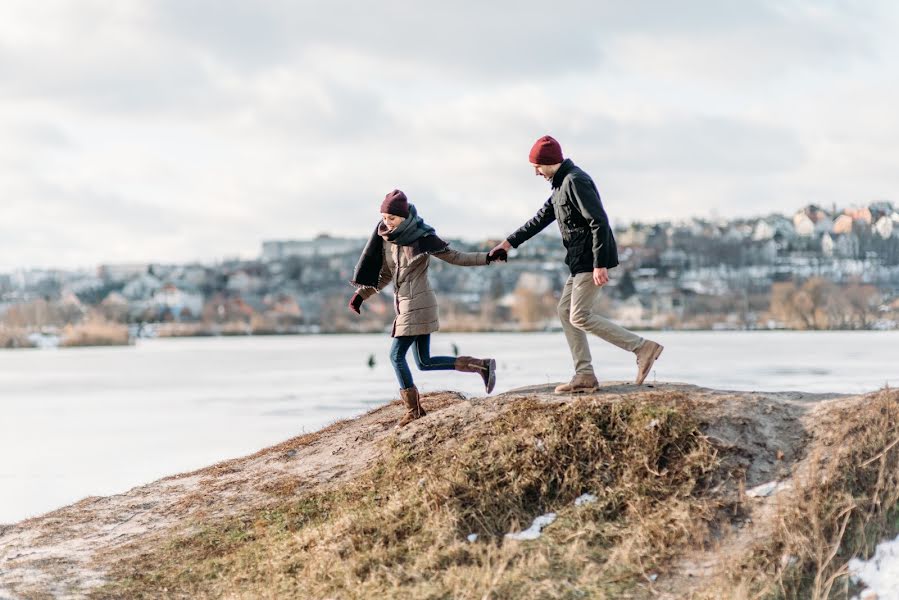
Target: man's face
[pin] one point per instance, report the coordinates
(545, 171)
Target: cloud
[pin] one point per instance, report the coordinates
(174, 130)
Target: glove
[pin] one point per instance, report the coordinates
(356, 303)
(497, 254)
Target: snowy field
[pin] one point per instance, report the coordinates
(98, 421)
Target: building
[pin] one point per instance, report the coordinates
(122, 272)
(323, 245)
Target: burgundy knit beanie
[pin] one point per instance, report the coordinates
(395, 203)
(546, 151)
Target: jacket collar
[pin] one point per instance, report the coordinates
(564, 170)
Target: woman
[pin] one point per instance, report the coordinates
(399, 251)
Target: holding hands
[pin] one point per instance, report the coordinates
(496, 255)
(499, 252)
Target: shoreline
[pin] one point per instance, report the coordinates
(203, 335)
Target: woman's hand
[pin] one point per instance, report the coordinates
(356, 303)
(497, 254)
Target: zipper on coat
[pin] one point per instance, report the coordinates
(396, 279)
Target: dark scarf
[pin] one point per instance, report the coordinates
(418, 237)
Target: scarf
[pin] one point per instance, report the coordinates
(417, 236)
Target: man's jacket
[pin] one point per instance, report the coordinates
(586, 233)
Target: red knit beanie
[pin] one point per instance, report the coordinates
(546, 151)
(395, 203)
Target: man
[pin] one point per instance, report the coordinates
(591, 252)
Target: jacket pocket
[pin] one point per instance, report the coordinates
(580, 248)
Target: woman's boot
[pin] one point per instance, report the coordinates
(414, 409)
(485, 367)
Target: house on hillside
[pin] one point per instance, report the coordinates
(811, 220)
(884, 227)
(177, 304)
(141, 287)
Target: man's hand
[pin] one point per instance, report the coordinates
(495, 254)
(356, 303)
(600, 276)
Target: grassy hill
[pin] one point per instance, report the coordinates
(359, 510)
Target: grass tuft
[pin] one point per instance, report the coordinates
(844, 502)
(401, 529)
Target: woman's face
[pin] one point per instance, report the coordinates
(392, 221)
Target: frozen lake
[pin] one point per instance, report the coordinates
(98, 421)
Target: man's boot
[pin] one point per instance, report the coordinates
(414, 409)
(647, 354)
(581, 383)
(485, 367)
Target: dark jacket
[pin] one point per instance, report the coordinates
(586, 232)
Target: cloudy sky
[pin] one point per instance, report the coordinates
(176, 130)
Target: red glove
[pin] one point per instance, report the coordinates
(356, 303)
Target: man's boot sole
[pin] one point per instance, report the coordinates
(577, 391)
(652, 361)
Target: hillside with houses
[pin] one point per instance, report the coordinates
(818, 268)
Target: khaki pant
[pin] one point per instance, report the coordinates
(578, 319)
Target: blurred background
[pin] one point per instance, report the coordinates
(218, 165)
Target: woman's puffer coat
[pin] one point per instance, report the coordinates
(414, 300)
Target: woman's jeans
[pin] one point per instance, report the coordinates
(423, 358)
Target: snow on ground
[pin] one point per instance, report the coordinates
(880, 574)
(585, 499)
(533, 532)
(767, 489)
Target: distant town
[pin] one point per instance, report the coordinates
(814, 269)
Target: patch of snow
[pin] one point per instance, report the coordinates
(584, 499)
(472, 537)
(44, 340)
(880, 574)
(767, 489)
(533, 532)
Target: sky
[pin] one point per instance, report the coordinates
(182, 130)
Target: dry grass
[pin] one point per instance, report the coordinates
(14, 337)
(845, 500)
(95, 333)
(400, 530)
(664, 491)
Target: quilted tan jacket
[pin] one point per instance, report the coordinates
(414, 300)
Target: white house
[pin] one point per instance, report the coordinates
(884, 227)
(176, 300)
(141, 287)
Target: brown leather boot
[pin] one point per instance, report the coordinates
(414, 409)
(647, 354)
(581, 383)
(485, 367)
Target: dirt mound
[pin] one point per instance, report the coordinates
(360, 509)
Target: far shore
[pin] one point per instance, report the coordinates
(110, 334)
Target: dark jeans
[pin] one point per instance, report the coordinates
(423, 358)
